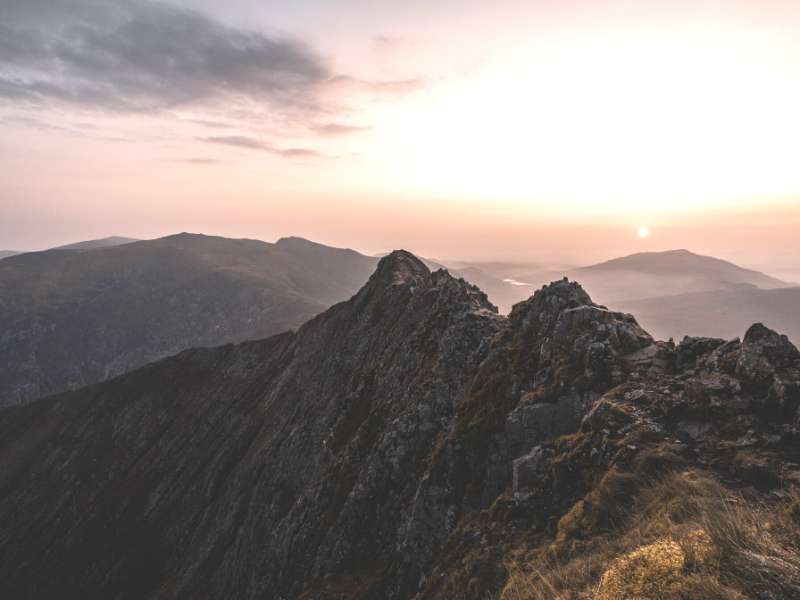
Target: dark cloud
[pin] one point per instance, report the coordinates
(240, 141)
(148, 56)
(144, 55)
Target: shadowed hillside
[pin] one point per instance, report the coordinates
(720, 313)
(74, 317)
(107, 242)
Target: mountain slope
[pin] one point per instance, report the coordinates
(107, 242)
(229, 442)
(407, 443)
(721, 313)
(651, 274)
(70, 318)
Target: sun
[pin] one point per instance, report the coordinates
(643, 232)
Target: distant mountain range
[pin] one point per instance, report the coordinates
(84, 312)
(643, 275)
(7, 253)
(74, 316)
(651, 274)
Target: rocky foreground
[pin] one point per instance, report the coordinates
(407, 443)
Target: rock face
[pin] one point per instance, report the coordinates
(393, 447)
(87, 312)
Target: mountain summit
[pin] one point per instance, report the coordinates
(687, 264)
(401, 267)
(407, 443)
(659, 274)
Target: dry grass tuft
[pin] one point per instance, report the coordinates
(650, 571)
(686, 537)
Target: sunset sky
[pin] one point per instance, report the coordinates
(542, 131)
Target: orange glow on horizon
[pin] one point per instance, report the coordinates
(523, 128)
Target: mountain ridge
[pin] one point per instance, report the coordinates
(106, 242)
(406, 443)
(278, 286)
(73, 317)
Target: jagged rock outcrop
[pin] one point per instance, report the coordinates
(687, 408)
(396, 446)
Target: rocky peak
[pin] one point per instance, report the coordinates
(400, 267)
(549, 301)
(574, 336)
(400, 276)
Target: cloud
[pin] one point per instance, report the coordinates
(209, 123)
(151, 58)
(336, 129)
(141, 55)
(298, 153)
(240, 141)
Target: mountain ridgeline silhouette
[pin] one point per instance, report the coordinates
(409, 442)
(650, 274)
(82, 313)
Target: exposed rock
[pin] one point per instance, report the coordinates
(692, 348)
(529, 472)
(763, 353)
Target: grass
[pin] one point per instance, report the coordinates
(685, 537)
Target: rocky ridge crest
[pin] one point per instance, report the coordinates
(395, 446)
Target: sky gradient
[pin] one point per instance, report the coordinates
(541, 131)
